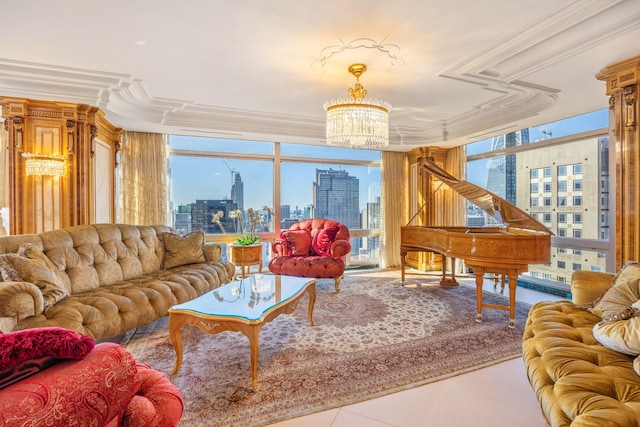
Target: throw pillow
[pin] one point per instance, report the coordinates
(29, 351)
(30, 264)
(182, 250)
(622, 293)
(299, 242)
(323, 239)
(621, 331)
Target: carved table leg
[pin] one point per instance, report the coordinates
(175, 324)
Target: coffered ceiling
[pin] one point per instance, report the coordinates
(454, 71)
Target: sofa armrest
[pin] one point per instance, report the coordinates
(587, 286)
(340, 248)
(279, 247)
(90, 391)
(20, 300)
(158, 403)
(212, 251)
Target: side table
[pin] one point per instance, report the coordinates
(245, 256)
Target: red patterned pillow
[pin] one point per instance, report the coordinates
(29, 344)
(299, 242)
(323, 239)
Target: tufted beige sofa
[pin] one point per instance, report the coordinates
(106, 279)
(577, 380)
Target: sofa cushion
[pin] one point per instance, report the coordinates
(30, 264)
(182, 250)
(321, 244)
(299, 242)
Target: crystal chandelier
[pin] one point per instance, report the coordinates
(42, 164)
(357, 122)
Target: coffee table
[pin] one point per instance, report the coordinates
(241, 306)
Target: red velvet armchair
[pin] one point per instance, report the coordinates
(312, 248)
(89, 386)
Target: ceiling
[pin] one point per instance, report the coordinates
(455, 71)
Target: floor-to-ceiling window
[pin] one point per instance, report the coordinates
(559, 174)
(214, 183)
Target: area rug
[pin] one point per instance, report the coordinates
(372, 338)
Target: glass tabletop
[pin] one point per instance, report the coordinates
(249, 298)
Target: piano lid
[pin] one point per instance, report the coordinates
(501, 210)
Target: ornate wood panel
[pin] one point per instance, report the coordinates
(623, 84)
(41, 202)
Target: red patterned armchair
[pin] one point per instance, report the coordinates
(51, 377)
(312, 248)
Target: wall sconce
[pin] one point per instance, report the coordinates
(43, 164)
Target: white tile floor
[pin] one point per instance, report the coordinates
(496, 396)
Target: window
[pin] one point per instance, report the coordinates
(554, 171)
(576, 266)
(561, 264)
(211, 176)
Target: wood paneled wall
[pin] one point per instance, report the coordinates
(623, 84)
(40, 203)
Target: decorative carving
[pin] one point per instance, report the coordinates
(630, 101)
(17, 128)
(71, 127)
(209, 326)
(92, 142)
(44, 113)
(612, 103)
(117, 146)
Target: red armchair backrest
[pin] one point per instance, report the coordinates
(316, 224)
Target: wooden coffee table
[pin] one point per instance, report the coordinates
(241, 306)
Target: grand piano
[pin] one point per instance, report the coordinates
(505, 250)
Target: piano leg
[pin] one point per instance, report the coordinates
(403, 255)
(513, 282)
(479, 283)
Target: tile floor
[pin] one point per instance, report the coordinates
(496, 396)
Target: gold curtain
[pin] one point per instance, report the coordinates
(4, 179)
(454, 206)
(393, 172)
(144, 179)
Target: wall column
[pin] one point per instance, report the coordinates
(623, 84)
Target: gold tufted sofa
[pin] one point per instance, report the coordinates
(577, 380)
(103, 280)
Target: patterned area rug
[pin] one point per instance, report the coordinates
(372, 338)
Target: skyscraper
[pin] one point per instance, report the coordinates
(336, 195)
(237, 190)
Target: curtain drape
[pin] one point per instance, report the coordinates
(393, 175)
(455, 206)
(4, 179)
(144, 179)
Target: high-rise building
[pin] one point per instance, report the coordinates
(237, 190)
(336, 195)
(203, 211)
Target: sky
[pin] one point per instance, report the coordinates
(211, 178)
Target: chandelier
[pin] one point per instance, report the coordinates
(357, 122)
(42, 164)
